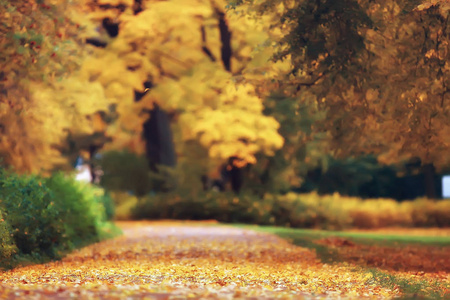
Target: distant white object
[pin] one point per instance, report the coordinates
(83, 173)
(446, 186)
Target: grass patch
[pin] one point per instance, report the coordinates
(412, 288)
(358, 237)
(302, 237)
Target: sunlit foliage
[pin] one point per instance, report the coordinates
(60, 96)
(379, 70)
(191, 59)
(41, 107)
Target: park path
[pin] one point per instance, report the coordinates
(179, 260)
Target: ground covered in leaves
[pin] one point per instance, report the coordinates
(170, 260)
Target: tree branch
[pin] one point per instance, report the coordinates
(204, 48)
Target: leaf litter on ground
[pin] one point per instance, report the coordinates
(173, 260)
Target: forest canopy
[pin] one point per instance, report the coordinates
(275, 83)
(186, 61)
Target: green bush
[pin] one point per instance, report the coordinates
(108, 203)
(80, 205)
(332, 212)
(124, 205)
(31, 212)
(43, 218)
(223, 207)
(172, 206)
(125, 171)
(315, 211)
(7, 246)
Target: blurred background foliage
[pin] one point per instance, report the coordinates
(321, 114)
(331, 212)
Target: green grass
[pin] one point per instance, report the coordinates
(359, 237)
(412, 289)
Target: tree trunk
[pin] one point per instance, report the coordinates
(429, 176)
(160, 147)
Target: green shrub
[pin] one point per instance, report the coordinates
(42, 218)
(173, 206)
(7, 246)
(245, 208)
(223, 207)
(124, 205)
(108, 203)
(332, 212)
(81, 207)
(31, 212)
(315, 211)
(125, 171)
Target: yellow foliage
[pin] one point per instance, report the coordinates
(341, 211)
(178, 51)
(42, 106)
(234, 125)
(165, 46)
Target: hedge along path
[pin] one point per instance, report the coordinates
(169, 260)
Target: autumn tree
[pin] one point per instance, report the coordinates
(44, 114)
(188, 58)
(410, 57)
(378, 68)
(75, 81)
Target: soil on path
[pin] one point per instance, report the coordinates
(179, 260)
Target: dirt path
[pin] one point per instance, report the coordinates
(168, 260)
